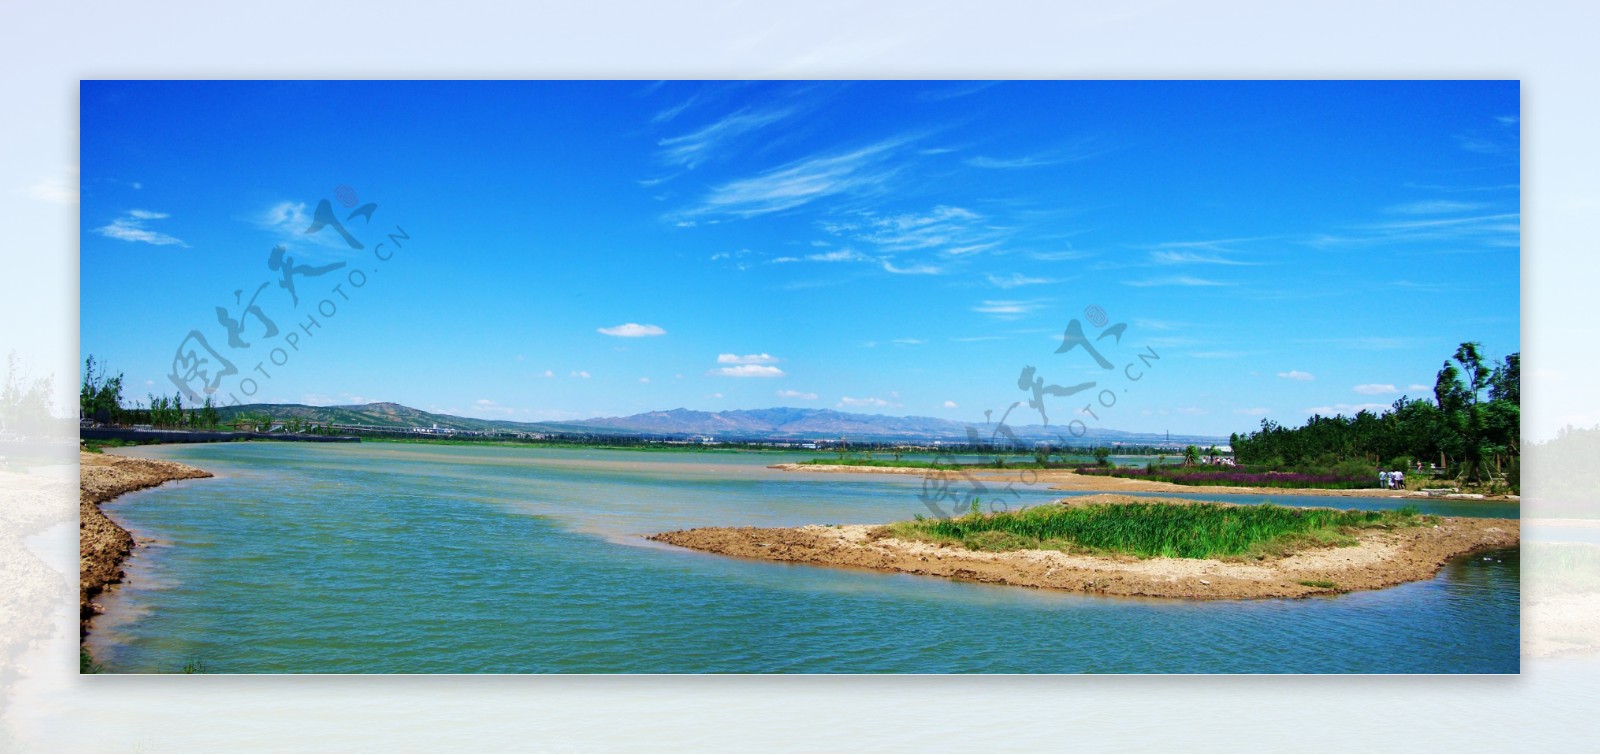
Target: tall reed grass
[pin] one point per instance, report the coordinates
(1167, 530)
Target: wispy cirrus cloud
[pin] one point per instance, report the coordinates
(890, 267)
(1175, 280)
(1374, 389)
(803, 396)
(837, 255)
(1434, 207)
(860, 171)
(665, 115)
(1009, 309)
(632, 330)
(1082, 150)
(696, 147)
(1184, 257)
(133, 225)
(1449, 234)
(1297, 375)
(1015, 280)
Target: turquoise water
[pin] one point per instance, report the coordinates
(399, 558)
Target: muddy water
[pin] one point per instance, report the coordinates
(400, 558)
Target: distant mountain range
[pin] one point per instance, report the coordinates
(740, 424)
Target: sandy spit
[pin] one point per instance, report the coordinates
(1382, 559)
(1066, 479)
(102, 543)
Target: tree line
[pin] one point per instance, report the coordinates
(1471, 428)
(100, 400)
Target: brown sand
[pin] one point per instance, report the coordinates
(1066, 479)
(102, 543)
(1383, 558)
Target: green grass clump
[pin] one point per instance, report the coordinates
(1159, 530)
(87, 664)
(1325, 584)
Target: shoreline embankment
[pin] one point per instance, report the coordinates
(102, 543)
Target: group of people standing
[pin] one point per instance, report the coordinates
(1395, 480)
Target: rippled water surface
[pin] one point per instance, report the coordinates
(410, 558)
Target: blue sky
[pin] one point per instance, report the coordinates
(582, 249)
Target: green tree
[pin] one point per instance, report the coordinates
(1102, 456)
(1191, 456)
(100, 397)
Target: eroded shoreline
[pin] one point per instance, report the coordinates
(102, 543)
(1383, 558)
(1066, 479)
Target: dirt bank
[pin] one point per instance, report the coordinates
(1382, 559)
(1066, 479)
(102, 543)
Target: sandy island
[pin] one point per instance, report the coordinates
(102, 543)
(1383, 558)
(1066, 479)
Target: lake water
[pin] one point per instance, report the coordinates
(410, 558)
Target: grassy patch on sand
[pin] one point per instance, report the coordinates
(1159, 530)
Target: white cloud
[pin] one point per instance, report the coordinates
(132, 227)
(1014, 280)
(695, 147)
(1175, 280)
(1374, 389)
(748, 371)
(845, 401)
(762, 358)
(910, 341)
(644, 380)
(1347, 409)
(713, 395)
(1419, 387)
(633, 330)
(580, 373)
(797, 394)
(1435, 207)
(549, 373)
(911, 269)
(1007, 308)
(1297, 375)
(840, 255)
(1167, 257)
(949, 404)
(1256, 412)
(800, 182)
(1030, 161)
(59, 189)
